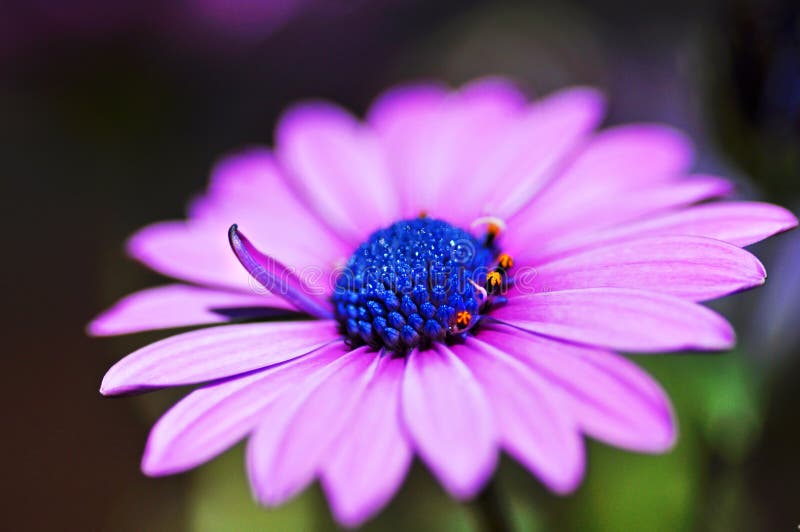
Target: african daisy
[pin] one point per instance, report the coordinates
(456, 271)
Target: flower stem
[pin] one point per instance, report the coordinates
(491, 510)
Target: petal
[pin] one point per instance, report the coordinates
(619, 318)
(405, 118)
(290, 441)
(693, 268)
(607, 395)
(527, 156)
(215, 353)
(213, 418)
(279, 279)
(532, 424)
(180, 305)
(449, 420)
(740, 223)
(189, 251)
(481, 136)
(453, 143)
(550, 222)
(248, 189)
(621, 158)
(336, 165)
(367, 462)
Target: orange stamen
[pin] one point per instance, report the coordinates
(463, 318)
(505, 261)
(494, 279)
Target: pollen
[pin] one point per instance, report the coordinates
(494, 279)
(463, 318)
(505, 261)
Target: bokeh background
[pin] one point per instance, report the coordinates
(111, 114)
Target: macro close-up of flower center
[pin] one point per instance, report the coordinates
(451, 277)
(416, 282)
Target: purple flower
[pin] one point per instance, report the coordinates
(471, 262)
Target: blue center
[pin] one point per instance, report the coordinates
(411, 284)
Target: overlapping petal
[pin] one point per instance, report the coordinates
(180, 305)
(619, 318)
(246, 189)
(289, 443)
(440, 418)
(694, 268)
(531, 422)
(366, 464)
(606, 395)
(213, 418)
(740, 223)
(214, 353)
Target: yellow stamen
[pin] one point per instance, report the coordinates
(494, 279)
(463, 318)
(505, 261)
(423, 214)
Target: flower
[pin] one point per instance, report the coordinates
(471, 262)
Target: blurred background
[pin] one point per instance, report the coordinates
(111, 114)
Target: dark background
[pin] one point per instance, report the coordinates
(111, 115)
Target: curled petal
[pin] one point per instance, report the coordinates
(277, 278)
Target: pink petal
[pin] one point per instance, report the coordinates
(552, 221)
(452, 145)
(289, 444)
(405, 119)
(737, 222)
(213, 418)
(179, 305)
(608, 396)
(620, 158)
(693, 268)
(336, 165)
(214, 353)
(247, 189)
(280, 280)
(531, 422)
(366, 464)
(189, 251)
(480, 136)
(528, 155)
(449, 420)
(619, 318)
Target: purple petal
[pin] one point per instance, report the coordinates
(211, 419)
(693, 268)
(619, 318)
(337, 167)
(481, 135)
(737, 222)
(248, 189)
(554, 221)
(278, 278)
(188, 251)
(608, 396)
(449, 420)
(531, 422)
(621, 158)
(366, 464)
(526, 158)
(179, 305)
(290, 441)
(215, 353)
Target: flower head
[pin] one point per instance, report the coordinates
(471, 262)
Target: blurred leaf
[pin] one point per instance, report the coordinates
(628, 491)
(717, 392)
(220, 500)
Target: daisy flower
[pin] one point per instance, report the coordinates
(456, 273)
